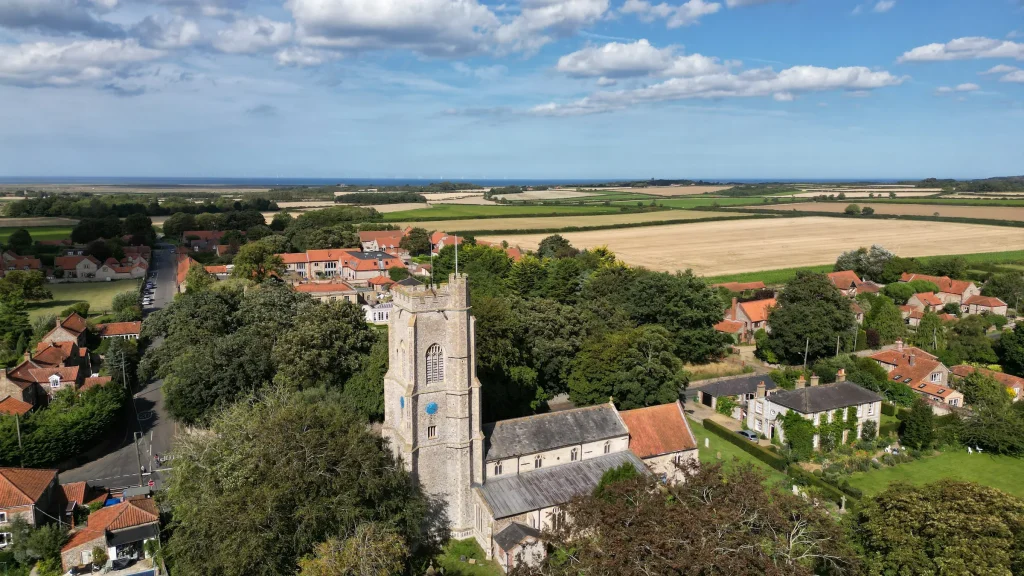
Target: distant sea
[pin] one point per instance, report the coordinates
(143, 182)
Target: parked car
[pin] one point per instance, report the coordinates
(748, 435)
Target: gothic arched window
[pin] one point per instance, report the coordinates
(435, 364)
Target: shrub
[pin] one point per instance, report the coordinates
(99, 556)
(869, 430)
(805, 478)
(80, 307)
(775, 461)
(852, 210)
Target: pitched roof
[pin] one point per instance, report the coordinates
(14, 407)
(325, 287)
(513, 534)
(206, 235)
(382, 237)
(119, 328)
(532, 434)
(738, 385)
(924, 364)
(989, 301)
(928, 299)
(217, 269)
(844, 279)
(546, 487)
(868, 288)
(658, 430)
(945, 283)
(327, 255)
(53, 353)
(74, 323)
(72, 262)
(938, 390)
(757, 310)
(74, 492)
(23, 486)
(729, 326)
(380, 281)
(410, 281)
(128, 514)
(184, 264)
(740, 286)
(825, 397)
(1010, 381)
(24, 262)
(66, 373)
(94, 381)
(294, 258)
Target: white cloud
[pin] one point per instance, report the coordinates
(252, 35)
(970, 48)
(618, 60)
(166, 32)
(683, 15)
(857, 9)
(784, 85)
(70, 64)
(482, 72)
(884, 6)
(1015, 76)
(968, 87)
(59, 17)
(302, 57)
(741, 3)
(541, 21)
(434, 27)
(602, 81)
(999, 69)
(1008, 73)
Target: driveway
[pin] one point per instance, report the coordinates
(121, 468)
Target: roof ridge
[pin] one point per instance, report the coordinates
(534, 416)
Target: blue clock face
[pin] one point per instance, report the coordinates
(401, 402)
(432, 408)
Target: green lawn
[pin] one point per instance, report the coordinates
(465, 211)
(1002, 472)
(704, 202)
(99, 295)
(39, 232)
(453, 566)
(729, 451)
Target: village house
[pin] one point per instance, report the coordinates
(382, 240)
(78, 495)
(11, 406)
(202, 240)
(121, 529)
(950, 290)
(123, 330)
(923, 373)
(219, 271)
(858, 312)
(88, 268)
(185, 262)
(76, 267)
(661, 437)
(731, 328)
(13, 261)
(740, 389)
(54, 367)
(850, 285)
(438, 240)
(925, 302)
(911, 315)
(328, 291)
(1014, 384)
(817, 403)
(72, 328)
(359, 267)
(753, 315)
(984, 305)
(378, 314)
(513, 252)
(26, 493)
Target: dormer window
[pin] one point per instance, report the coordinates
(55, 381)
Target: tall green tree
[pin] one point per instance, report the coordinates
(372, 550)
(931, 333)
(919, 426)
(257, 261)
(1011, 350)
(326, 345)
(198, 279)
(179, 223)
(31, 284)
(556, 246)
(527, 278)
(811, 314)
(1008, 287)
(885, 318)
(20, 241)
(417, 242)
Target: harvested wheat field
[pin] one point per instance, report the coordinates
(729, 247)
(305, 204)
(982, 212)
(861, 193)
(545, 195)
(553, 222)
(673, 190)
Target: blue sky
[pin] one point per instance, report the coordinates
(514, 89)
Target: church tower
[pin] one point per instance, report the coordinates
(432, 396)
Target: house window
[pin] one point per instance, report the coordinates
(435, 364)
(431, 431)
(5, 539)
(677, 459)
(607, 447)
(759, 408)
(757, 425)
(574, 455)
(537, 462)
(871, 409)
(497, 468)
(936, 376)
(55, 381)
(3, 517)
(860, 411)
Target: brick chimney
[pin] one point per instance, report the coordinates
(911, 359)
(732, 310)
(57, 322)
(841, 375)
(815, 379)
(761, 388)
(28, 355)
(801, 382)
(899, 344)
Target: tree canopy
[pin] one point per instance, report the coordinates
(811, 314)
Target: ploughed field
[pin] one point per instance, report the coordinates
(730, 247)
(946, 210)
(556, 222)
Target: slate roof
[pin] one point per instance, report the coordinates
(825, 397)
(23, 486)
(546, 487)
(738, 385)
(513, 534)
(410, 281)
(532, 434)
(658, 430)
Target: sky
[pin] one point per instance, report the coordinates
(701, 89)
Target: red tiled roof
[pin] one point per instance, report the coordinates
(327, 255)
(729, 326)
(71, 262)
(989, 301)
(437, 236)
(380, 281)
(856, 307)
(94, 381)
(658, 430)
(937, 390)
(327, 287)
(221, 269)
(740, 286)
(23, 263)
(184, 264)
(844, 279)
(757, 310)
(948, 317)
(74, 323)
(74, 492)
(53, 353)
(929, 299)
(14, 407)
(1012, 382)
(23, 486)
(294, 258)
(129, 514)
(945, 283)
(382, 237)
(868, 288)
(119, 328)
(66, 373)
(924, 364)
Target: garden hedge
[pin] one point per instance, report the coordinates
(775, 461)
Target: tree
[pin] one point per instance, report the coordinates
(258, 232)
(99, 556)
(20, 241)
(527, 278)
(397, 273)
(555, 246)
(919, 426)
(852, 210)
(179, 223)
(139, 227)
(811, 313)
(869, 430)
(304, 469)
(13, 323)
(30, 283)
(979, 388)
(325, 346)
(716, 522)
(886, 319)
(947, 527)
(373, 550)
(636, 367)
(1008, 287)
(968, 342)
(1011, 350)
(931, 333)
(198, 279)
(257, 261)
(36, 543)
(281, 221)
(417, 242)
(364, 391)
(867, 210)
(125, 306)
(867, 263)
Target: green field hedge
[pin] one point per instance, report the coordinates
(755, 450)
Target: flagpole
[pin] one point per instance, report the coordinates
(456, 256)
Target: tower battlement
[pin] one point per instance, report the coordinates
(451, 296)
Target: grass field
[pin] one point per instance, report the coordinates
(730, 453)
(1002, 472)
(460, 212)
(946, 210)
(534, 223)
(690, 203)
(99, 295)
(735, 246)
(675, 190)
(38, 233)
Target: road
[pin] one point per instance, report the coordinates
(121, 468)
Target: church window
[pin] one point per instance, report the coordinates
(574, 455)
(435, 364)
(607, 447)
(497, 468)
(557, 518)
(431, 431)
(537, 462)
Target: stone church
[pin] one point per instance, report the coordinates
(503, 482)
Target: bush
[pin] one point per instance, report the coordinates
(81, 307)
(775, 461)
(805, 478)
(869, 430)
(852, 210)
